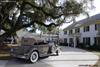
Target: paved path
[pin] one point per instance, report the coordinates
(69, 57)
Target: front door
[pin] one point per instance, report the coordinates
(98, 40)
(77, 40)
(71, 42)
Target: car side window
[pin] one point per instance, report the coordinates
(42, 43)
(35, 43)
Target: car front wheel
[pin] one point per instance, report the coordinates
(34, 56)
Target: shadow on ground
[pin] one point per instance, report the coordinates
(71, 49)
(26, 63)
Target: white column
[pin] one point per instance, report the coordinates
(68, 41)
(75, 42)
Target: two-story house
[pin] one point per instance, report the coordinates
(85, 31)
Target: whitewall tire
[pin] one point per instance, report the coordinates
(34, 56)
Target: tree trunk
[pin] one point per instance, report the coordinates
(4, 36)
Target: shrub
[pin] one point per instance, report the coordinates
(81, 45)
(95, 47)
(4, 46)
(63, 44)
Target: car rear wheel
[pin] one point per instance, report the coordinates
(34, 56)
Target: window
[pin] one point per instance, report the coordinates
(71, 40)
(86, 28)
(70, 31)
(96, 40)
(65, 40)
(41, 43)
(86, 40)
(95, 26)
(77, 30)
(65, 32)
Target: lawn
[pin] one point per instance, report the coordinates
(4, 55)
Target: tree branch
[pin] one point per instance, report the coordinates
(42, 9)
(54, 5)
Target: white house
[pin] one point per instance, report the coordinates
(85, 31)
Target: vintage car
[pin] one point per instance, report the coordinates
(32, 49)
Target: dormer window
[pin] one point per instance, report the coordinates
(70, 31)
(65, 32)
(95, 26)
(77, 30)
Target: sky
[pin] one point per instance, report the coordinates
(96, 10)
(96, 3)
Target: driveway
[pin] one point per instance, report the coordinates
(69, 57)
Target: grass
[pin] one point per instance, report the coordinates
(4, 55)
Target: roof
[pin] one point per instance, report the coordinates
(86, 21)
(73, 25)
(91, 19)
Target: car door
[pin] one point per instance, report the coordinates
(43, 48)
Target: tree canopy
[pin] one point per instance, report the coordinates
(18, 14)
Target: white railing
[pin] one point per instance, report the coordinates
(75, 34)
